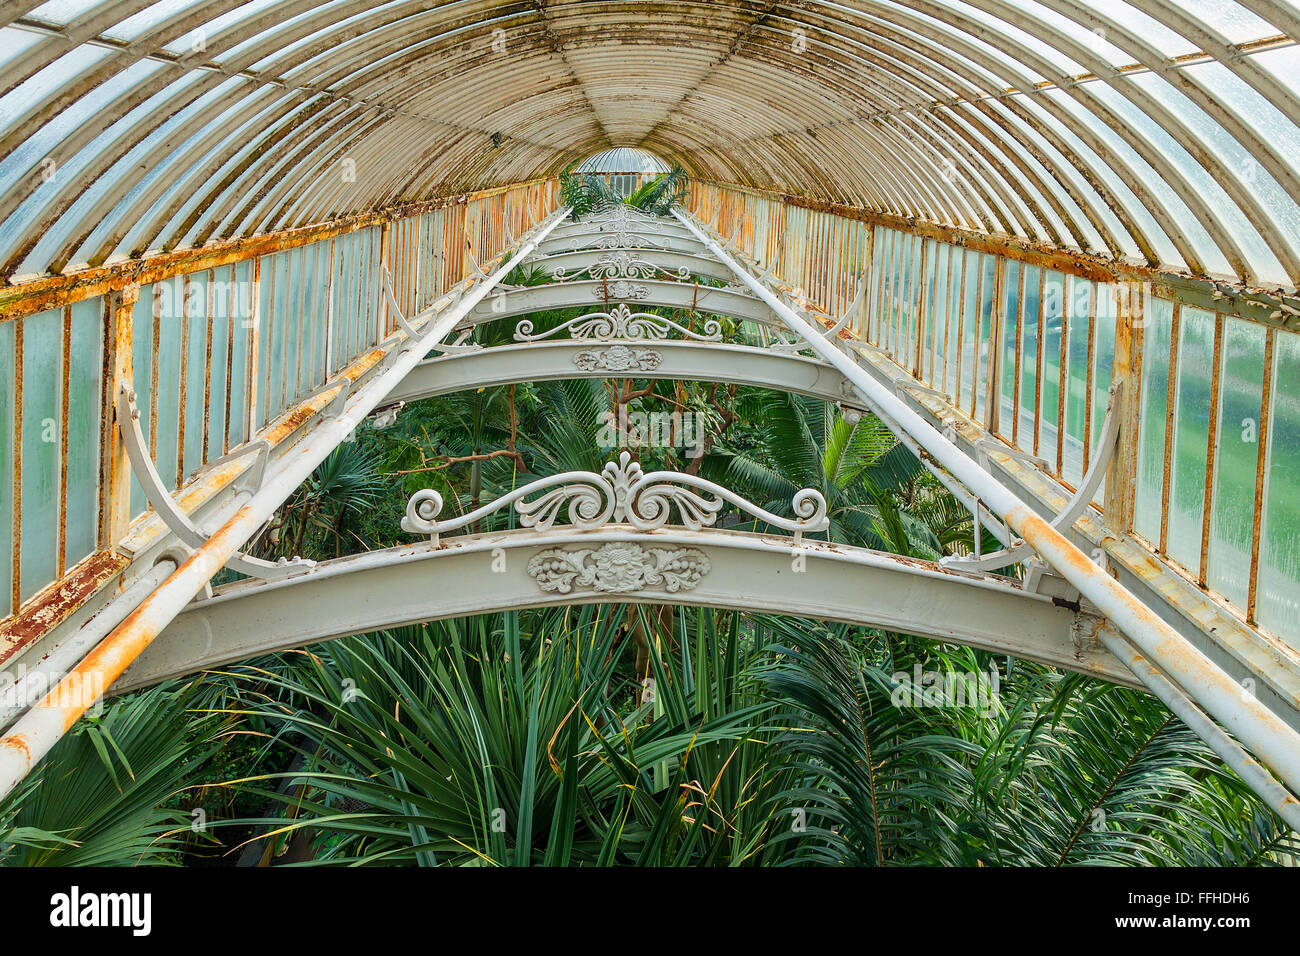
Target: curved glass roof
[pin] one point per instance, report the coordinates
(1165, 132)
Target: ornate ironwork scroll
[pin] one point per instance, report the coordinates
(622, 493)
(620, 323)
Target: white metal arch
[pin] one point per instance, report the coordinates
(596, 294)
(477, 574)
(589, 358)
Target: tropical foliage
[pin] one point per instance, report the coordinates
(589, 192)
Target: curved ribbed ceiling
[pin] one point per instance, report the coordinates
(1166, 132)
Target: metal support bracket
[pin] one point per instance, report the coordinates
(477, 268)
(336, 403)
(460, 346)
(1019, 551)
(251, 479)
(393, 307)
(983, 446)
(831, 333)
(190, 535)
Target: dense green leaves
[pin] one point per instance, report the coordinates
(100, 798)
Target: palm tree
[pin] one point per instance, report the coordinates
(108, 793)
(509, 740)
(805, 443)
(1050, 770)
(586, 193)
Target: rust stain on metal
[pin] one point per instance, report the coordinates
(38, 294)
(57, 602)
(18, 742)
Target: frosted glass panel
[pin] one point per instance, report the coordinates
(969, 329)
(1278, 600)
(1028, 359)
(1010, 349)
(42, 382)
(142, 378)
(1053, 324)
(85, 385)
(988, 276)
(1151, 430)
(6, 463)
(1191, 437)
(196, 358)
(1076, 382)
(1233, 506)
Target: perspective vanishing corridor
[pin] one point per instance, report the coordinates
(608, 432)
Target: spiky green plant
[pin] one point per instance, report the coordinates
(658, 196)
(491, 741)
(101, 796)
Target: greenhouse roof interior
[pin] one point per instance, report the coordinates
(1163, 132)
(1050, 248)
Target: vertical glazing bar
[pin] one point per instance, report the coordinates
(183, 385)
(384, 318)
(16, 559)
(156, 346)
(993, 370)
(1261, 470)
(253, 324)
(977, 323)
(61, 534)
(1067, 296)
(961, 329)
(1122, 473)
(1089, 370)
(228, 384)
(1042, 348)
(923, 284)
(115, 513)
(207, 364)
(1020, 344)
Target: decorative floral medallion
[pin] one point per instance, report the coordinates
(618, 568)
(618, 358)
(620, 289)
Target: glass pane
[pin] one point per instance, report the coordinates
(1028, 359)
(85, 385)
(1158, 326)
(1076, 384)
(171, 315)
(1191, 437)
(142, 378)
(39, 510)
(1241, 386)
(1053, 326)
(196, 369)
(7, 462)
(1009, 349)
(1277, 605)
(988, 276)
